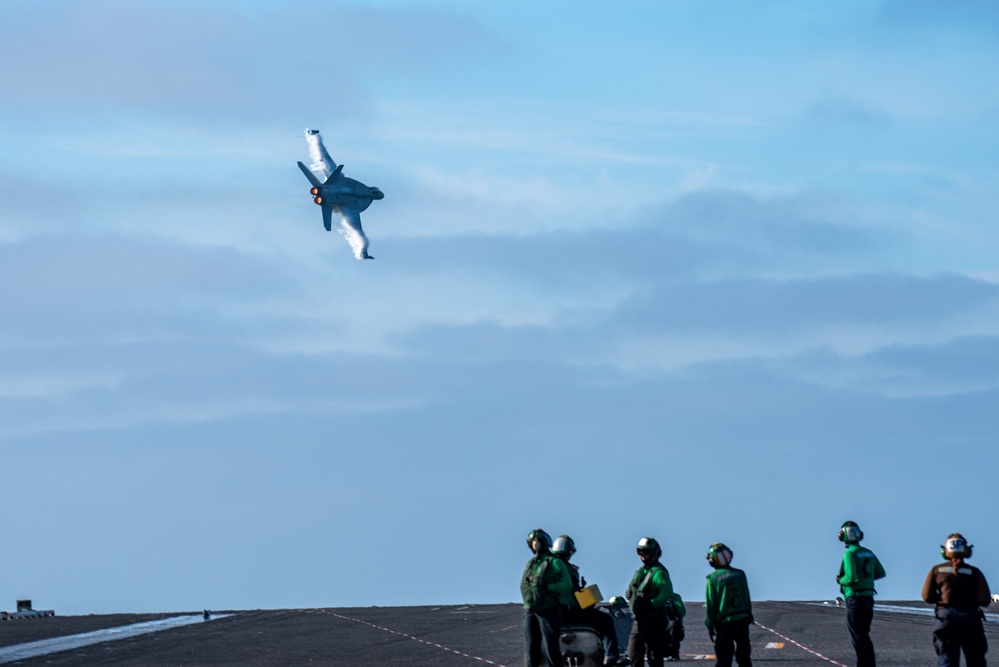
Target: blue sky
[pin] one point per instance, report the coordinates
(697, 271)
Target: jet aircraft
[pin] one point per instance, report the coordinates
(340, 197)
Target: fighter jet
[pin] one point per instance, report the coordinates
(340, 197)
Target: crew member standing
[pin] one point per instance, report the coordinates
(959, 591)
(728, 610)
(648, 595)
(857, 572)
(544, 582)
(572, 614)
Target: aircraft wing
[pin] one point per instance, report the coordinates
(349, 222)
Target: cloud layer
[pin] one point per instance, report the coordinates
(692, 283)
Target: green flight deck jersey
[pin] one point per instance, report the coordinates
(546, 580)
(568, 598)
(726, 597)
(650, 591)
(857, 572)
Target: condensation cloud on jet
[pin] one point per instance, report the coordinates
(321, 161)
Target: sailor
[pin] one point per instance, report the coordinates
(545, 581)
(649, 595)
(857, 573)
(728, 609)
(572, 614)
(959, 591)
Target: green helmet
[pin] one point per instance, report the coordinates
(544, 538)
(563, 547)
(649, 545)
(719, 555)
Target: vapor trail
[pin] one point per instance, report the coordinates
(321, 160)
(348, 222)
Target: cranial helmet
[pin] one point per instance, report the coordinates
(541, 536)
(649, 545)
(563, 546)
(850, 533)
(719, 555)
(956, 547)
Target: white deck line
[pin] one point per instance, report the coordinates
(902, 609)
(70, 642)
(923, 611)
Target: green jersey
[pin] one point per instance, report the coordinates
(650, 591)
(568, 597)
(727, 597)
(859, 569)
(545, 581)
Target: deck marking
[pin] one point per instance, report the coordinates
(417, 639)
(801, 646)
(775, 645)
(69, 642)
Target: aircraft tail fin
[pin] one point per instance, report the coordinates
(328, 218)
(309, 175)
(335, 175)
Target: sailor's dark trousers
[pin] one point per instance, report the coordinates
(859, 614)
(955, 630)
(541, 637)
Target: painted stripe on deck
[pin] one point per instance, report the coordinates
(416, 639)
(70, 642)
(801, 646)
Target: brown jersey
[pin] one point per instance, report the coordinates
(960, 587)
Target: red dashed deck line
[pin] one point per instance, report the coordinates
(417, 639)
(801, 646)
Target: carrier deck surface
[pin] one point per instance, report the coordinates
(800, 633)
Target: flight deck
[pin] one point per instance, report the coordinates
(787, 634)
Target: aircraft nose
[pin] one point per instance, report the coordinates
(377, 194)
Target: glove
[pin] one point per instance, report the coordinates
(711, 633)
